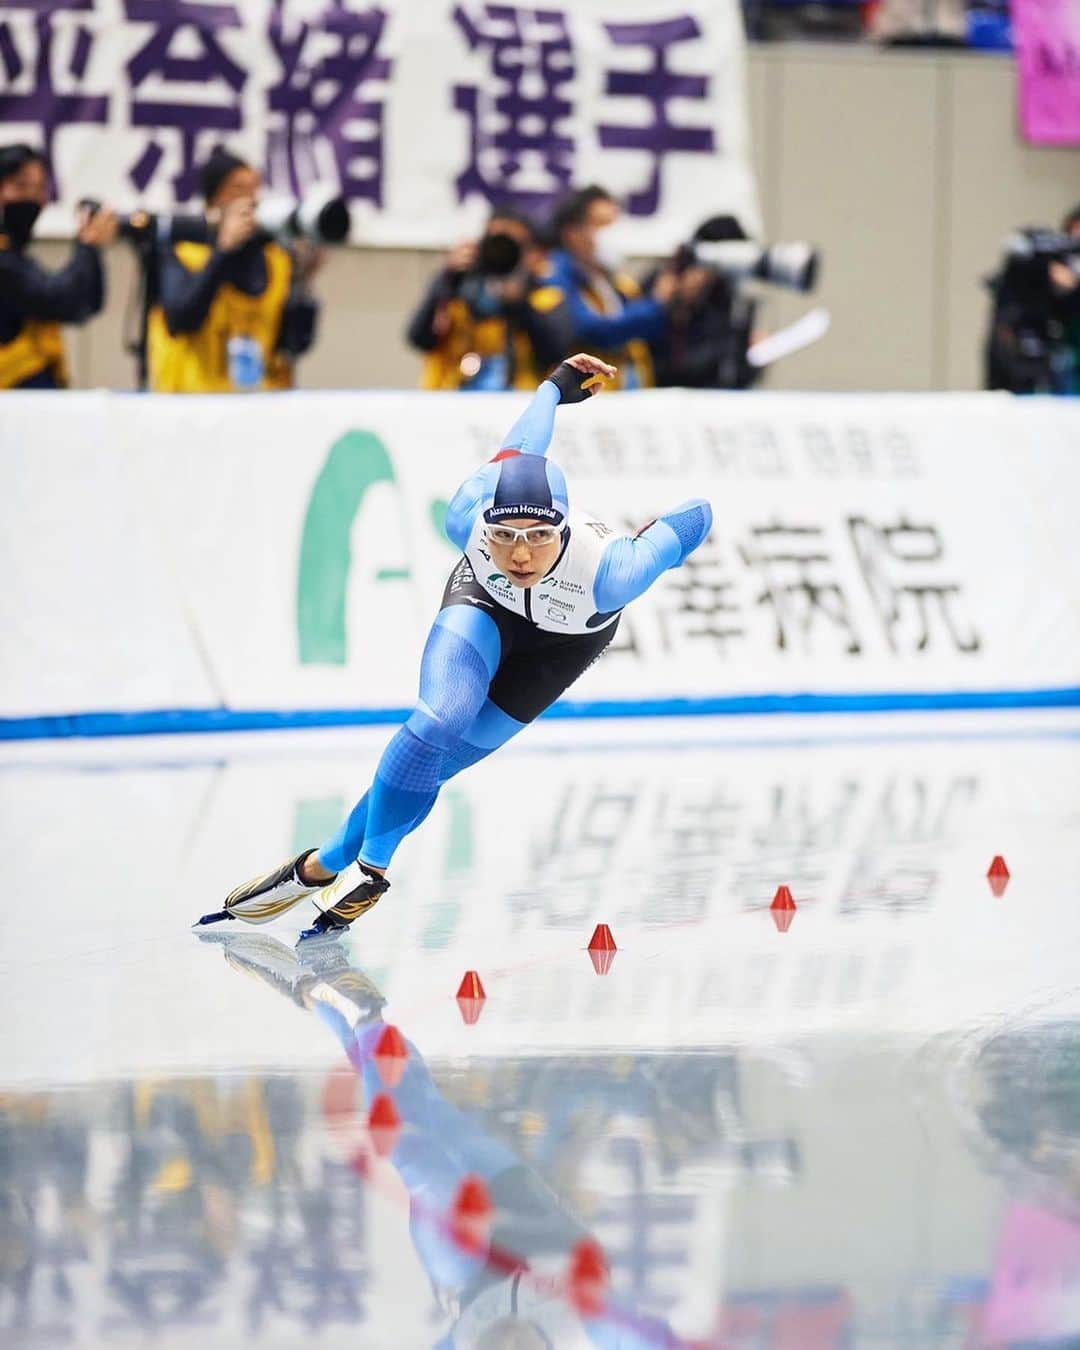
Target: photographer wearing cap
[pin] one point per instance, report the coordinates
(232, 313)
(710, 321)
(34, 302)
(491, 318)
(1033, 346)
(607, 307)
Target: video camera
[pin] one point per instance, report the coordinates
(794, 265)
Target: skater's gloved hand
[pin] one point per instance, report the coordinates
(581, 376)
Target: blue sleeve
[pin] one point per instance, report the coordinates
(643, 318)
(466, 503)
(531, 434)
(629, 567)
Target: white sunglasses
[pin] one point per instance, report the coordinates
(536, 536)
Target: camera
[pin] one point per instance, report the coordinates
(794, 265)
(498, 255)
(321, 217)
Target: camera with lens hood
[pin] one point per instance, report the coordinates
(320, 217)
(793, 265)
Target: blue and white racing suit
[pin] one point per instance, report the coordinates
(499, 654)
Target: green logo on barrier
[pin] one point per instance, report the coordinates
(355, 463)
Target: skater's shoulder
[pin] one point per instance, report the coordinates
(588, 529)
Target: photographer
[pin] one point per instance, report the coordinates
(1034, 342)
(710, 321)
(34, 302)
(491, 319)
(610, 315)
(232, 314)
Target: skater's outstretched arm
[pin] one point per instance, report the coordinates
(572, 382)
(630, 566)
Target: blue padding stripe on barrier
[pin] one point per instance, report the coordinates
(166, 721)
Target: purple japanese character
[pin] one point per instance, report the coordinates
(657, 86)
(322, 99)
(519, 149)
(216, 77)
(44, 104)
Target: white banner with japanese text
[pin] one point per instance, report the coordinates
(286, 553)
(424, 113)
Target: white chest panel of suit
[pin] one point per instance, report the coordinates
(563, 601)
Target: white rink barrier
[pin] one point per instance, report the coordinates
(195, 563)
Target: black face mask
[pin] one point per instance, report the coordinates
(17, 221)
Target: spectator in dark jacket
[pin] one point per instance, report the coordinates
(710, 322)
(33, 301)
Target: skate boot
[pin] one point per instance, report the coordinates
(266, 897)
(351, 893)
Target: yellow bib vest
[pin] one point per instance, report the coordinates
(198, 363)
(486, 338)
(37, 346)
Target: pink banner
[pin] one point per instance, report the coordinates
(1035, 1295)
(1047, 38)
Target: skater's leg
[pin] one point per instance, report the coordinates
(460, 659)
(344, 846)
(490, 729)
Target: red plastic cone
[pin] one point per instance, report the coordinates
(384, 1124)
(997, 874)
(601, 940)
(471, 1213)
(587, 1277)
(470, 986)
(602, 960)
(470, 998)
(782, 899)
(390, 1055)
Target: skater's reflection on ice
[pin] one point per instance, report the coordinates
(509, 1290)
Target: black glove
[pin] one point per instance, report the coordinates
(574, 385)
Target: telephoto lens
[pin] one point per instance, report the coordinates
(794, 265)
(321, 216)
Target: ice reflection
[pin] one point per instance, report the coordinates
(861, 1131)
(808, 1195)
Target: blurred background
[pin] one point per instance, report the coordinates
(892, 137)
